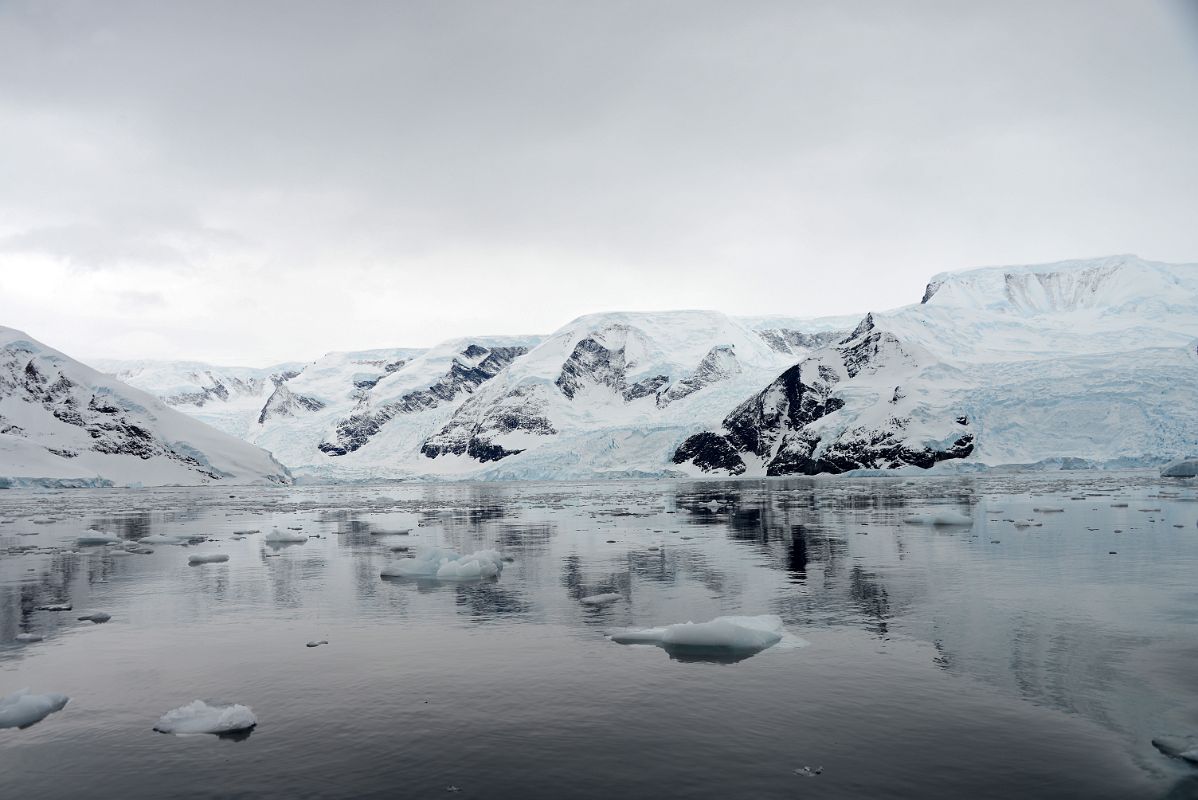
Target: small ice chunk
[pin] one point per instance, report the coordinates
(162, 538)
(433, 562)
(1049, 510)
(95, 537)
(723, 638)
(285, 537)
(938, 518)
(97, 617)
(599, 599)
(200, 717)
(318, 643)
(208, 558)
(1181, 468)
(56, 607)
(29, 637)
(22, 709)
(1183, 747)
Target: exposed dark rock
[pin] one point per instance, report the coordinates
(476, 366)
(710, 451)
(788, 340)
(473, 427)
(719, 364)
(645, 387)
(285, 403)
(592, 362)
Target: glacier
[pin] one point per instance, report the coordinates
(1089, 363)
(63, 423)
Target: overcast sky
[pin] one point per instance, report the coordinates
(249, 182)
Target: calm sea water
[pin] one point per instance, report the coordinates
(942, 662)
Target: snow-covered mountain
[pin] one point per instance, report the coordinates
(1080, 362)
(64, 423)
(228, 398)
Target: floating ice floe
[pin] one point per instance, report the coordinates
(22, 709)
(599, 599)
(1049, 510)
(1183, 747)
(54, 607)
(317, 643)
(446, 565)
(163, 538)
(94, 537)
(200, 717)
(723, 639)
(289, 536)
(938, 518)
(98, 617)
(1181, 468)
(29, 637)
(207, 558)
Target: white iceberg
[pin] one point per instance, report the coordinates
(200, 717)
(1181, 468)
(1183, 747)
(289, 536)
(599, 599)
(725, 639)
(162, 538)
(433, 562)
(938, 518)
(207, 558)
(22, 709)
(94, 537)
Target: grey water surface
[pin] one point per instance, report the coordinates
(986, 660)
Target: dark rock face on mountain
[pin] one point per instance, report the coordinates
(778, 426)
(113, 425)
(787, 340)
(594, 363)
(475, 366)
(472, 429)
(285, 403)
(719, 364)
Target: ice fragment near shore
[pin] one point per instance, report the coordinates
(938, 518)
(208, 558)
(433, 562)
(721, 639)
(200, 717)
(22, 709)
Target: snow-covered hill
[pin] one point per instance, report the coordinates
(1079, 362)
(64, 423)
(1087, 362)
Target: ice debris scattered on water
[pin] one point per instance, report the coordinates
(1181, 468)
(938, 518)
(96, 617)
(723, 638)
(433, 562)
(163, 538)
(600, 599)
(285, 537)
(22, 709)
(208, 558)
(200, 717)
(1183, 747)
(94, 537)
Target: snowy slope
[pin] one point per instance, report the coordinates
(62, 422)
(1081, 362)
(607, 394)
(342, 421)
(227, 398)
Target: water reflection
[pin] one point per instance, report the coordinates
(1045, 615)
